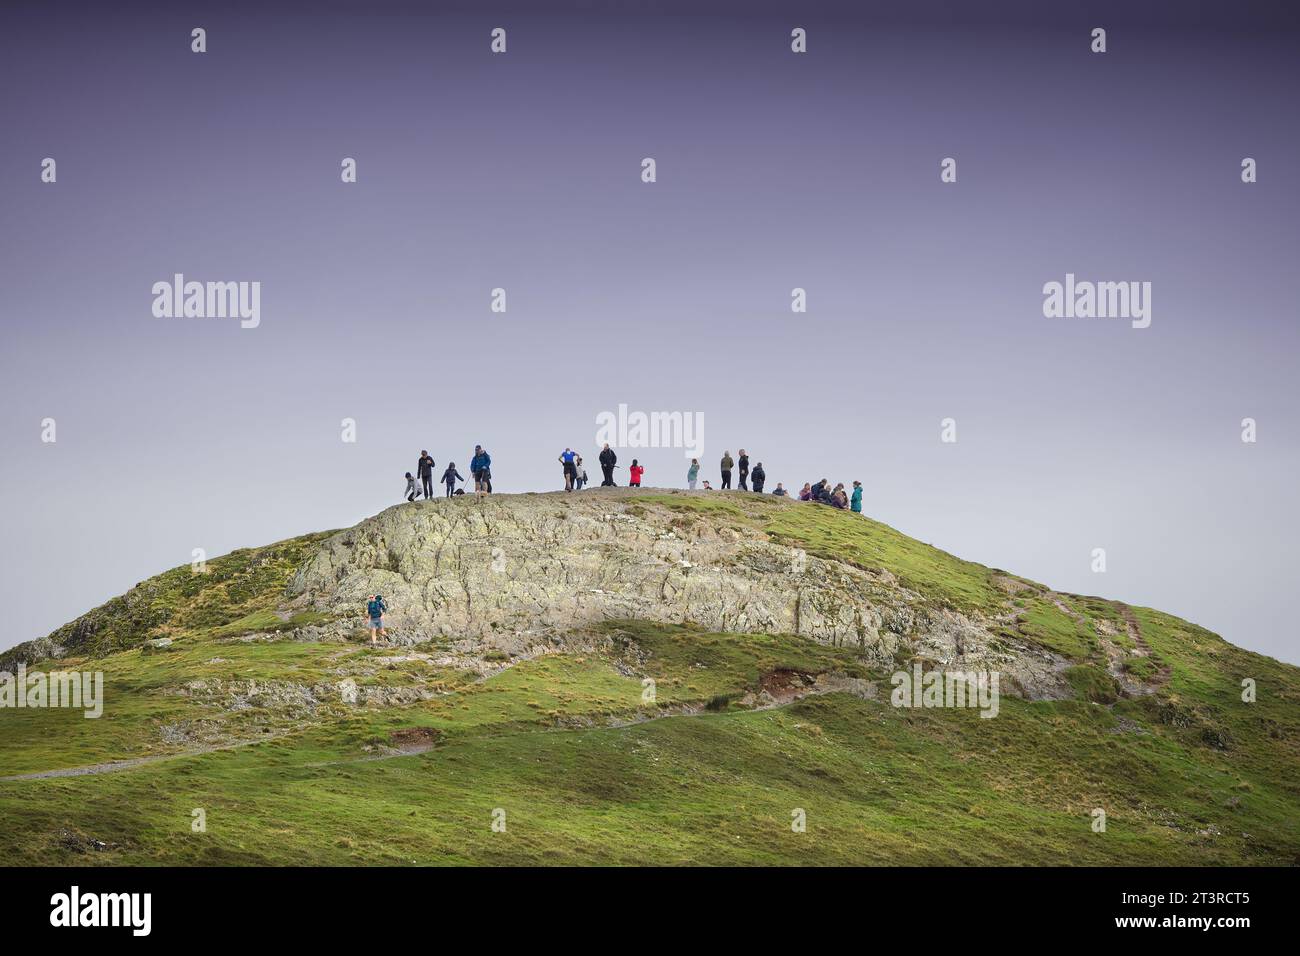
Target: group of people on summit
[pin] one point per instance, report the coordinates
(575, 477)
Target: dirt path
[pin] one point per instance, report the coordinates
(112, 766)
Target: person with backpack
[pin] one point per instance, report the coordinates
(727, 465)
(744, 470)
(375, 609)
(450, 477)
(759, 477)
(580, 473)
(636, 471)
(424, 468)
(411, 490)
(855, 503)
(480, 467)
(607, 462)
(692, 473)
(570, 471)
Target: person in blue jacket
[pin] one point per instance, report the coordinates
(855, 503)
(480, 467)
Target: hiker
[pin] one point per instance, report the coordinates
(607, 462)
(450, 477)
(839, 497)
(727, 464)
(579, 472)
(424, 468)
(692, 473)
(375, 608)
(759, 477)
(636, 471)
(805, 494)
(410, 491)
(744, 470)
(855, 503)
(480, 467)
(779, 490)
(570, 472)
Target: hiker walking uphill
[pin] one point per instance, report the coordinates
(744, 470)
(375, 609)
(727, 465)
(759, 477)
(450, 477)
(424, 468)
(607, 462)
(480, 467)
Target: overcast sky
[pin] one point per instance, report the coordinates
(775, 170)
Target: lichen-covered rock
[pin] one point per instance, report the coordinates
(507, 574)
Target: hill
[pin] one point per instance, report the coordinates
(625, 676)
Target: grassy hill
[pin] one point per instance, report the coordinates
(240, 717)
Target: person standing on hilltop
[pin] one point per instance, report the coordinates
(855, 502)
(424, 468)
(579, 473)
(727, 465)
(744, 470)
(410, 491)
(449, 478)
(607, 462)
(636, 471)
(759, 476)
(480, 466)
(692, 473)
(570, 470)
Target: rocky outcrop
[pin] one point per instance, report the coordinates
(511, 572)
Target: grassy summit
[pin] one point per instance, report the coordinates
(241, 717)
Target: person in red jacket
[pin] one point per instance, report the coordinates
(636, 471)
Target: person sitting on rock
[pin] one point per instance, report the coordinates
(375, 608)
(450, 477)
(805, 494)
(779, 490)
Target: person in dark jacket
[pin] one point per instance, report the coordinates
(727, 465)
(424, 468)
(450, 477)
(607, 462)
(744, 470)
(480, 466)
(759, 477)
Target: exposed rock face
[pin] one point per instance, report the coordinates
(509, 572)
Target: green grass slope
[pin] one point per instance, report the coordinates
(562, 758)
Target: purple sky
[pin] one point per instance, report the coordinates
(775, 170)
